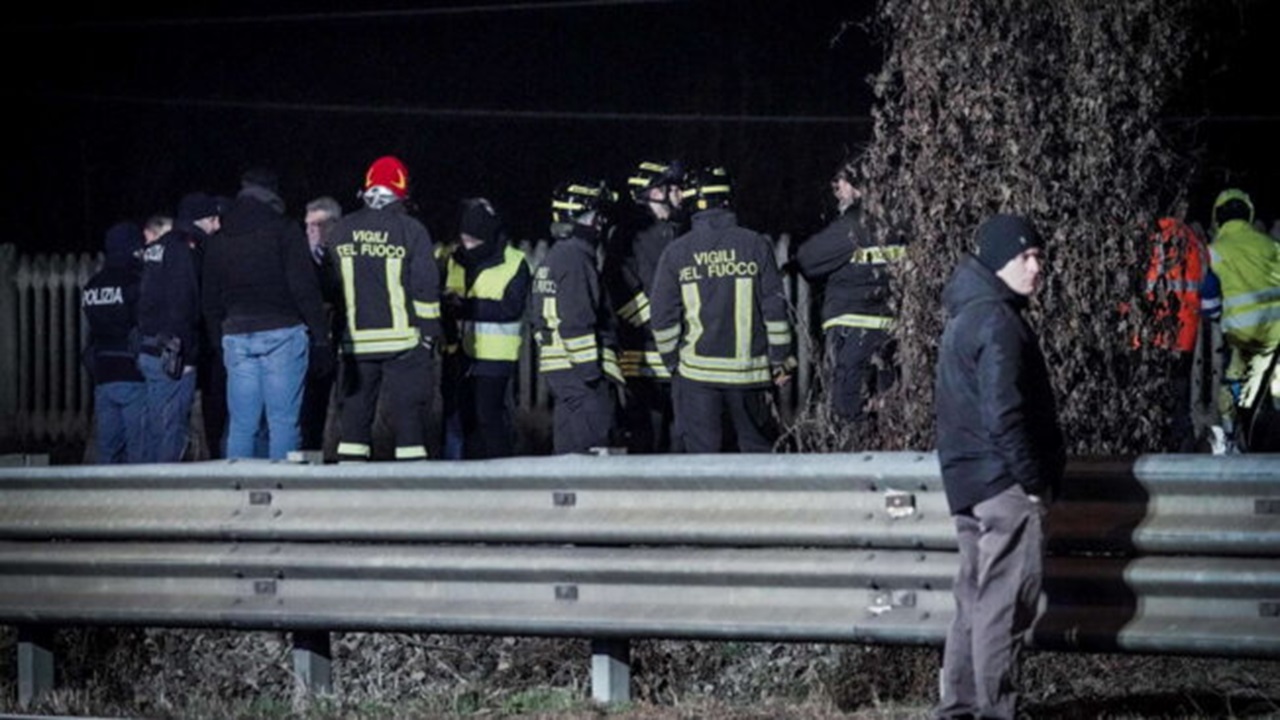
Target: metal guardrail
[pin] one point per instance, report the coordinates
(1164, 554)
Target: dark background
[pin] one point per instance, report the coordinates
(115, 113)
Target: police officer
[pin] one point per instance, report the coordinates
(856, 321)
(720, 322)
(485, 295)
(110, 303)
(572, 324)
(391, 292)
(629, 263)
(169, 312)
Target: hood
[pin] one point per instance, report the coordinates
(973, 283)
(246, 214)
(123, 240)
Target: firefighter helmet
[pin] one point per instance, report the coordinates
(388, 172)
(649, 175)
(708, 187)
(574, 198)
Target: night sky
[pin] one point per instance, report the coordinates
(120, 112)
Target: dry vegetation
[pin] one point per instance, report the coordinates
(1045, 108)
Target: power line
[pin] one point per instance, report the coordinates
(359, 15)
(469, 113)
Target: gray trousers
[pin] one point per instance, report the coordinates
(996, 591)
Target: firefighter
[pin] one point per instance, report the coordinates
(485, 293)
(856, 323)
(629, 262)
(1247, 264)
(577, 353)
(720, 322)
(391, 292)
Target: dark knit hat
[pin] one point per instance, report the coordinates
(197, 205)
(122, 240)
(480, 220)
(1001, 238)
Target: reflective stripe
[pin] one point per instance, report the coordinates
(872, 322)
(353, 449)
(637, 311)
(692, 315)
(395, 293)
(743, 303)
(1260, 296)
(427, 310)
(640, 363)
(779, 332)
(666, 338)
(609, 364)
(877, 255)
(1252, 319)
(411, 452)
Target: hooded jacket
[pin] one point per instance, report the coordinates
(259, 274)
(996, 415)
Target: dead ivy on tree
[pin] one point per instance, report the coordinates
(1051, 110)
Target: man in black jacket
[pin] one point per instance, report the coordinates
(1002, 457)
(169, 325)
(110, 303)
(262, 295)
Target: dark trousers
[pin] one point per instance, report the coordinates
(315, 410)
(582, 413)
(860, 362)
(211, 378)
(648, 415)
(485, 408)
(996, 591)
(410, 380)
(701, 411)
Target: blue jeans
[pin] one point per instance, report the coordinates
(119, 410)
(265, 374)
(168, 420)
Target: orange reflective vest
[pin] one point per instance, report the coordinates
(1174, 275)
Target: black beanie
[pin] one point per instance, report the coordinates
(1002, 238)
(480, 220)
(196, 206)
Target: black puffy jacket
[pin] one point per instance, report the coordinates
(996, 415)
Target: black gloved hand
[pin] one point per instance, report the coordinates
(321, 361)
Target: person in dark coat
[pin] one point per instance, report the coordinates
(169, 325)
(110, 304)
(262, 295)
(1002, 457)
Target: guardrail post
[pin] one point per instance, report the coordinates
(35, 663)
(611, 670)
(313, 660)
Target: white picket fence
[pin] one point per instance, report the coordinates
(45, 392)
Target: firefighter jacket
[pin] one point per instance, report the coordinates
(573, 327)
(855, 269)
(629, 265)
(486, 291)
(390, 281)
(1175, 276)
(1247, 264)
(719, 312)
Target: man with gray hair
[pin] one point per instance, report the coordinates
(322, 214)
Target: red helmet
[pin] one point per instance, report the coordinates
(388, 172)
